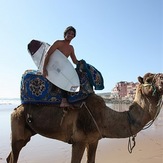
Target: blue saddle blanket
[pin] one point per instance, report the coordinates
(36, 89)
(95, 77)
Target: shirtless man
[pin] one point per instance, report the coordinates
(67, 49)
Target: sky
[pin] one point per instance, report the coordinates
(123, 39)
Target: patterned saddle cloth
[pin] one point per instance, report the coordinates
(35, 89)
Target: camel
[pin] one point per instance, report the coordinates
(89, 122)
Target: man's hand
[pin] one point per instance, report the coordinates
(45, 72)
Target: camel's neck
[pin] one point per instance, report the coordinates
(128, 123)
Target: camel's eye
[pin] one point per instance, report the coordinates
(149, 80)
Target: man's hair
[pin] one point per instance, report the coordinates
(70, 28)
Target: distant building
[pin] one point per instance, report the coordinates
(124, 89)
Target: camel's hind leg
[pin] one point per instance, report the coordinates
(20, 135)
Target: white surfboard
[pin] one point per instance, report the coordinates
(60, 70)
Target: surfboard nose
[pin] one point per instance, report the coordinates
(33, 46)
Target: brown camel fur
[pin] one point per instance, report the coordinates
(84, 126)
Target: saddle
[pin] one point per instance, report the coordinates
(35, 89)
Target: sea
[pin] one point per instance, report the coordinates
(11, 103)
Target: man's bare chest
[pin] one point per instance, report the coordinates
(66, 50)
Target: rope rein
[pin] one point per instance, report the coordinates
(130, 148)
(84, 104)
(159, 106)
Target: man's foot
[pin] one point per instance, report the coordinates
(64, 103)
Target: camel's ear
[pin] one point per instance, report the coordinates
(140, 79)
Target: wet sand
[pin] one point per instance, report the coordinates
(148, 149)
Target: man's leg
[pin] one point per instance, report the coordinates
(64, 102)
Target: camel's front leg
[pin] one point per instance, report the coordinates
(91, 152)
(20, 135)
(77, 152)
(16, 147)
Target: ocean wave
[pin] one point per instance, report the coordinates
(10, 101)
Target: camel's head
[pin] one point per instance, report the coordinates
(152, 83)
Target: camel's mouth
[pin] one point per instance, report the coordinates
(160, 83)
(160, 89)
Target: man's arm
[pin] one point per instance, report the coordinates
(73, 56)
(47, 56)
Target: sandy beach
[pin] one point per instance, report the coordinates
(148, 149)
